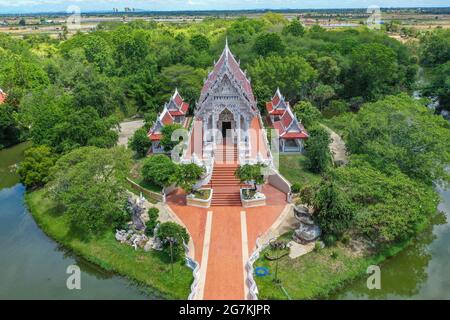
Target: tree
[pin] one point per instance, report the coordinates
(199, 42)
(321, 94)
(160, 170)
(435, 48)
(173, 235)
(294, 28)
(140, 142)
(267, 43)
(166, 139)
(307, 113)
(317, 151)
(187, 79)
(292, 74)
(399, 133)
(373, 72)
(440, 85)
(9, 127)
(22, 22)
(34, 170)
(334, 212)
(88, 182)
(188, 175)
(251, 173)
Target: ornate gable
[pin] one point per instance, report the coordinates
(227, 84)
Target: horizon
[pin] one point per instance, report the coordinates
(141, 6)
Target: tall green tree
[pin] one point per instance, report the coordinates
(88, 182)
(317, 149)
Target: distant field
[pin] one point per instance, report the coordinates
(53, 25)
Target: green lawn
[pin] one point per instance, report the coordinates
(151, 269)
(317, 274)
(292, 167)
(314, 275)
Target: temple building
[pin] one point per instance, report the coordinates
(280, 117)
(174, 112)
(227, 131)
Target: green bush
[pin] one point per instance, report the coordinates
(34, 170)
(140, 143)
(329, 240)
(153, 215)
(160, 170)
(296, 187)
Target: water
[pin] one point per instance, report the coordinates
(33, 266)
(419, 272)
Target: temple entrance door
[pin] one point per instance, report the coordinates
(226, 127)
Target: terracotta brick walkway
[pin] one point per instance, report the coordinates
(224, 273)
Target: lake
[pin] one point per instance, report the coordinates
(32, 265)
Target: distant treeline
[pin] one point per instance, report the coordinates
(140, 12)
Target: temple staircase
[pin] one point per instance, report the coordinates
(223, 181)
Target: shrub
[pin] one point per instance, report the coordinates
(296, 187)
(334, 255)
(153, 215)
(188, 175)
(160, 170)
(166, 139)
(329, 240)
(140, 143)
(34, 170)
(345, 239)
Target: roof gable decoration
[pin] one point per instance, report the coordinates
(176, 105)
(229, 66)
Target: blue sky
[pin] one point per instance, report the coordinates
(22, 6)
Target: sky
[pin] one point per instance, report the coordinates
(30, 6)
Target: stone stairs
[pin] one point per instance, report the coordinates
(223, 181)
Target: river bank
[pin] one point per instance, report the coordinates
(150, 269)
(33, 265)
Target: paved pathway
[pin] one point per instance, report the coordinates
(337, 147)
(127, 129)
(223, 238)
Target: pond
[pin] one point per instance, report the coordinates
(33, 266)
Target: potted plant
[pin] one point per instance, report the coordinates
(187, 177)
(251, 174)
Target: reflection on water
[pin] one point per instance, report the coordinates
(32, 266)
(420, 271)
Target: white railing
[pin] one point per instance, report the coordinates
(251, 283)
(195, 272)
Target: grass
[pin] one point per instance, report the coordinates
(318, 274)
(292, 167)
(150, 269)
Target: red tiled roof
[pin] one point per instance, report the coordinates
(286, 119)
(155, 136)
(184, 107)
(228, 58)
(178, 100)
(275, 100)
(167, 119)
(295, 135)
